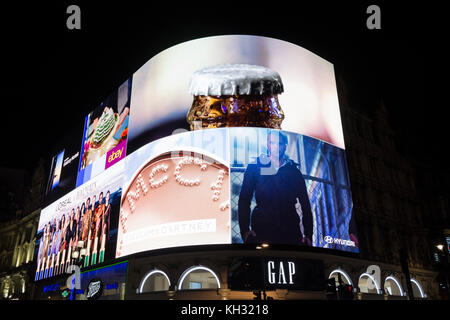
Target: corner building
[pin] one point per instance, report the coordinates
(396, 248)
(388, 213)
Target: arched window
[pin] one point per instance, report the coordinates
(155, 280)
(198, 277)
(417, 289)
(343, 275)
(393, 287)
(368, 284)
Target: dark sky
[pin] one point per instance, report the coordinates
(53, 77)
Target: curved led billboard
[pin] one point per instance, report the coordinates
(222, 140)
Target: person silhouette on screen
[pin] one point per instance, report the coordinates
(283, 212)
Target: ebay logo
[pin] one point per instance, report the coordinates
(115, 154)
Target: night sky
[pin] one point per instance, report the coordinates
(53, 77)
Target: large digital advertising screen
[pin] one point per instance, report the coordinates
(243, 145)
(105, 134)
(161, 97)
(85, 220)
(63, 166)
(98, 145)
(177, 192)
(302, 198)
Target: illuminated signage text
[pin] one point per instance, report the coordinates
(280, 272)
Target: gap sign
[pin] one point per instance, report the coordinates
(276, 273)
(251, 273)
(300, 274)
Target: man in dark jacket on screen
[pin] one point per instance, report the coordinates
(283, 213)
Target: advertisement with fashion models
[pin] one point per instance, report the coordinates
(81, 226)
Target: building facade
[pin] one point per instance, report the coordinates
(396, 223)
(393, 227)
(17, 242)
(16, 256)
(396, 259)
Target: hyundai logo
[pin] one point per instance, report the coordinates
(328, 239)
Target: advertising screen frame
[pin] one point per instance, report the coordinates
(248, 54)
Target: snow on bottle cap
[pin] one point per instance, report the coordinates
(235, 79)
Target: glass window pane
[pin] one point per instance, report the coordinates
(199, 279)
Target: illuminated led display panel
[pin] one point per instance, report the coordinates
(100, 143)
(63, 168)
(84, 220)
(172, 185)
(105, 134)
(218, 185)
(82, 200)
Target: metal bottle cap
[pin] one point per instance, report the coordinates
(235, 79)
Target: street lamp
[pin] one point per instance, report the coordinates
(440, 247)
(262, 245)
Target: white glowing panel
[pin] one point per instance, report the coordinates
(309, 101)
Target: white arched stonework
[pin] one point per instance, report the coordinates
(345, 276)
(397, 283)
(416, 284)
(196, 268)
(149, 275)
(362, 284)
